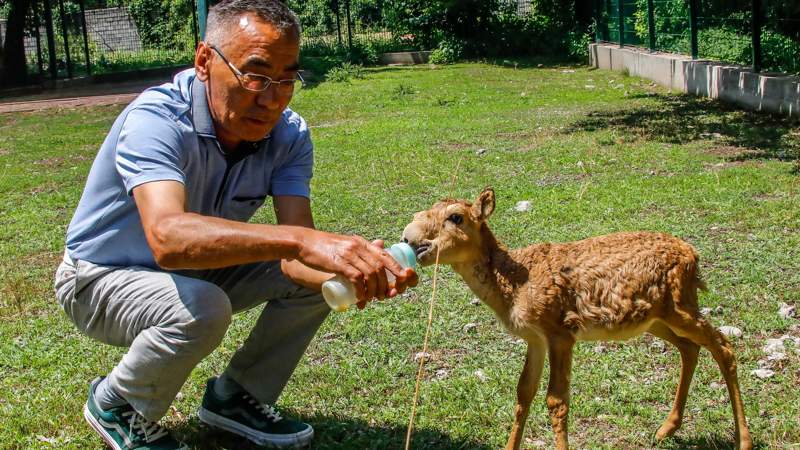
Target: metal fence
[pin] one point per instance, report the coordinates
(64, 39)
(761, 33)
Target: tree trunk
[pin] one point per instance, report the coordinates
(14, 67)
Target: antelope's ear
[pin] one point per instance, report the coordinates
(484, 204)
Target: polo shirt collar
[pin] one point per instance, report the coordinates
(201, 115)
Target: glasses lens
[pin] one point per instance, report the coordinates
(255, 82)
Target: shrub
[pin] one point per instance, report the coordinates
(345, 72)
(448, 52)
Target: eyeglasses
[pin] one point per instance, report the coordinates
(258, 83)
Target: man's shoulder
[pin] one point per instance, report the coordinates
(290, 127)
(172, 99)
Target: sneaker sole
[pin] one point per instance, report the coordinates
(99, 428)
(295, 440)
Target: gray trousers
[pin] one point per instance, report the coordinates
(170, 321)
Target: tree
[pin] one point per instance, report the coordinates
(14, 67)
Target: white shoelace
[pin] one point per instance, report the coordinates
(151, 431)
(265, 409)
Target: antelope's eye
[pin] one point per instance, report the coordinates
(456, 218)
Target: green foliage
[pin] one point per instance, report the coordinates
(163, 23)
(345, 72)
(448, 52)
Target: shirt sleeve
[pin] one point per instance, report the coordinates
(293, 177)
(149, 148)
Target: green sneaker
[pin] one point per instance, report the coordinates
(123, 428)
(260, 423)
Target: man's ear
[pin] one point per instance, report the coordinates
(484, 204)
(202, 59)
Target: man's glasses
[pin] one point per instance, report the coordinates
(258, 83)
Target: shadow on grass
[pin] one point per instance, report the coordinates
(680, 119)
(331, 433)
(708, 442)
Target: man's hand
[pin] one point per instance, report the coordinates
(363, 263)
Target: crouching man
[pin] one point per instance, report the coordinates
(159, 253)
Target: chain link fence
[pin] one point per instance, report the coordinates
(761, 33)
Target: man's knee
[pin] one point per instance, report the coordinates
(208, 312)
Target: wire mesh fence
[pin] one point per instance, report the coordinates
(71, 38)
(761, 33)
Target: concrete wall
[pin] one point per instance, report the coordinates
(774, 93)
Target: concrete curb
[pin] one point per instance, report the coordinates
(739, 85)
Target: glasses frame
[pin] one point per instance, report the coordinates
(269, 81)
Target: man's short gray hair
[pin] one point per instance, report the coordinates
(228, 12)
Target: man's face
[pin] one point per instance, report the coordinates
(253, 46)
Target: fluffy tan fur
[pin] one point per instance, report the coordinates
(608, 287)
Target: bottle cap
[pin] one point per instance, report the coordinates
(404, 255)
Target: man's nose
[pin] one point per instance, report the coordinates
(269, 97)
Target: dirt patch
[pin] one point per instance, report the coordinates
(730, 151)
(714, 167)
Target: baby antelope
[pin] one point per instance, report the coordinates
(552, 295)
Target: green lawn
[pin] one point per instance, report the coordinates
(594, 152)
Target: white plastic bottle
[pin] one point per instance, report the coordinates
(339, 292)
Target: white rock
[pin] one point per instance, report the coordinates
(481, 375)
(589, 86)
(441, 374)
(718, 311)
(658, 345)
(705, 311)
(421, 355)
(774, 346)
(715, 385)
(469, 327)
(523, 206)
(568, 71)
(777, 356)
(763, 373)
(730, 331)
(480, 151)
(475, 301)
(787, 311)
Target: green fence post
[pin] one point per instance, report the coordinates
(194, 24)
(651, 24)
(338, 21)
(757, 20)
(65, 36)
(202, 15)
(349, 30)
(621, 8)
(81, 3)
(51, 39)
(693, 7)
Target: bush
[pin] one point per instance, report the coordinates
(345, 72)
(448, 52)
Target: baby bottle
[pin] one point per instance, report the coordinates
(340, 293)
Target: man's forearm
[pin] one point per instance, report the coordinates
(303, 275)
(193, 241)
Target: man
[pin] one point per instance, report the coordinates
(159, 254)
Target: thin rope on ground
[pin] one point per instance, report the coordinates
(430, 320)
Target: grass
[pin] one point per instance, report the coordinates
(594, 151)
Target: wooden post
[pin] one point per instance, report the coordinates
(349, 30)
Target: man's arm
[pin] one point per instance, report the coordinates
(180, 239)
(296, 210)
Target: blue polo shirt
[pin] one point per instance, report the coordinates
(167, 134)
